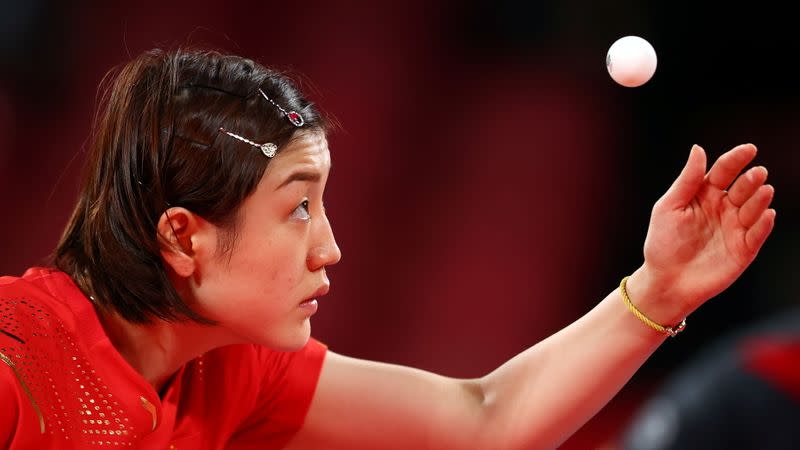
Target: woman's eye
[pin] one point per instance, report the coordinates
(301, 212)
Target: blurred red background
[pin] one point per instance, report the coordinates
(491, 183)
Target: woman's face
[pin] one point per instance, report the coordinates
(264, 290)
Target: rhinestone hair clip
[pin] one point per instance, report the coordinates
(293, 116)
(268, 149)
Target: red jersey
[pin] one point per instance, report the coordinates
(63, 384)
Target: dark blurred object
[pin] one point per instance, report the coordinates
(743, 392)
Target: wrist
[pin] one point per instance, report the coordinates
(654, 295)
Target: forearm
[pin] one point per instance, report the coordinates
(541, 396)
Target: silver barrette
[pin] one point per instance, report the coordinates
(293, 116)
(268, 149)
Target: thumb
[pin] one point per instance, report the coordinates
(691, 178)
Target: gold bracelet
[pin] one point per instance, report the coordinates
(669, 331)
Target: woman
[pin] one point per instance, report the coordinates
(177, 311)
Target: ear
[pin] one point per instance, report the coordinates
(177, 229)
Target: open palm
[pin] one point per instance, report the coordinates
(708, 227)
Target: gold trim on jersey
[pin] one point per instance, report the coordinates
(10, 363)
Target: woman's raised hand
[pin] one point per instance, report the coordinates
(705, 230)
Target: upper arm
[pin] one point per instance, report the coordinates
(364, 404)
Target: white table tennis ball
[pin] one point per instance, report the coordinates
(631, 61)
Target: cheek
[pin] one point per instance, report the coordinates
(273, 265)
(262, 266)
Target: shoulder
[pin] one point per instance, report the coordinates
(34, 304)
(36, 282)
(261, 362)
(261, 374)
(301, 367)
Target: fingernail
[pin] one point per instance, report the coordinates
(752, 172)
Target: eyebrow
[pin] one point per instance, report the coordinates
(302, 175)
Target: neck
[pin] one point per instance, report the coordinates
(158, 350)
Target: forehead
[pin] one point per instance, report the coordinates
(308, 151)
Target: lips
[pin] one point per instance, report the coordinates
(322, 290)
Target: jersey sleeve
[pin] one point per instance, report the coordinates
(286, 388)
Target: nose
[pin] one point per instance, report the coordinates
(326, 252)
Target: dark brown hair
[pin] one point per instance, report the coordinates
(156, 143)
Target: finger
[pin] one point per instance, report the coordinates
(746, 185)
(758, 233)
(685, 187)
(728, 166)
(751, 210)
